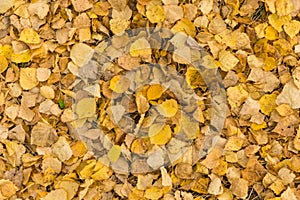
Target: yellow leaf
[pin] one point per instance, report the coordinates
(160, 134)
(256, 127)
(119, 84)
(29, 36)
(28, 79)
(142, 103)
(140, 47)
(86, 108)
(154, 92)
(277, 21)
(155, 14)
(5, 5)
(284, 7)
(22, 57)
(153, 193)
(79, 149)
(270, 63)
(185, 25)
(118, 25)
(283, 46)
(168, 108)
(114, 153)
(271, 33)
(292, 28)
(85, 169)
(7, 189)
(3, 63)
(268, 103)
(236, 96)
(227, 60)
(193, 77)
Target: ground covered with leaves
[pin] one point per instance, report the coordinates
(64, 131)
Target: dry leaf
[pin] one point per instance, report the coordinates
(29, 36)
(155, 14)
(168, 108)
(81, 54)
(43, 135)
(267, 103)
(140, 47)
(85, 108)
(6, 5)
(47, 92)
(289, 95)
(3, 63)
(61, 149)
(227, 60)
(236, 95)
(81, 5)
(159, 134)
(56, 194)
(28, 79)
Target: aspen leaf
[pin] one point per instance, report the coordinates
(153, 193)
(62, 149)
(28, 79)
(284, 7)
(168, 108)
(160, 134)
(267, 103)
(119, 84)
(47, 92)
(185, 25)
(236, 95)
(22, 57)
(56, 194)
(277, 22)
(271, 33)
(154, 92)
(140, 47)
(29, 36)
(142, 104)
(289, 95)
(5, 5)
(7, 188)
(227, 60)
(114, 153)
(81, 53)
(3, 63)
(86, 108)
(155, 14)
(292, 28)
(118, 25)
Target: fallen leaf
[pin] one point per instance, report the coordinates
(81, 53)
(140, 47)
(267, 103)
(159, 134)
(3, 63)
(62, 149)
(227, 60)
(155, 14)
(86, 108)
(29, 36)
(168, 108)
(289, 95)
(28, 79)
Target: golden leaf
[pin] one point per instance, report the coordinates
(3, 63)
(140, 47)
(154, 92)
(168, 108)
(155, 14)
(267, 103)
(86, 108)
(28, 79)
(29, 36)
(114, 153)
(292, 28)
(119, 84)
(160, 134)
(227, 60)
(185, 25)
